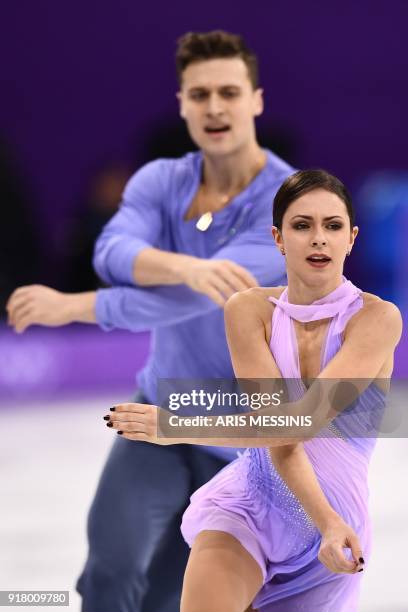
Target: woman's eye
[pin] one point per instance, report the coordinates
(335, 226)
(300, 226)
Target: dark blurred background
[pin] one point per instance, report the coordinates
(88, 95)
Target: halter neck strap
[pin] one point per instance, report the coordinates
(338, 302)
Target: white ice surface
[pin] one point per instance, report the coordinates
(50, 459)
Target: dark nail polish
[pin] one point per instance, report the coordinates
(106, 418)
(361, 570)
(109, 424)
(119, 433)
(361, 560)
(112, 409)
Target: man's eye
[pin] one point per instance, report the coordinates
(198, 95)
(230, 93)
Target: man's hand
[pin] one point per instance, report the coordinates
(40, 305)
(217, 278)
(337, 536)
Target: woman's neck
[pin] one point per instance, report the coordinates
(301, 293)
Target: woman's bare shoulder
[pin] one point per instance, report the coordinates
(375, 304)
(370, 298)
(377, 312)
(252, 303)
(254, 298)
(272, 291)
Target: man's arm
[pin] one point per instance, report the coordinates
(140, 309)
(126, 252)
(136, 226)
(40, 305)
(218, 278)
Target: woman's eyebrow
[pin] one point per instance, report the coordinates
(309, 218)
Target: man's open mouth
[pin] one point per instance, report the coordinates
(216, 129)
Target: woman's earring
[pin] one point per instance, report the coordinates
(282, 251)
(348, 253)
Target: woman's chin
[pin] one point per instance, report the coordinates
(315, 276)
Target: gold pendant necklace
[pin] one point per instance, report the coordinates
(204, 222)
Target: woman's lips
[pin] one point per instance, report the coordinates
(318, 263)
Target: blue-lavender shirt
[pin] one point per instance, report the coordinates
(188, 337)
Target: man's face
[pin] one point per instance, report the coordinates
(219, 104)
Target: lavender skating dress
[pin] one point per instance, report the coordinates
(249, 500)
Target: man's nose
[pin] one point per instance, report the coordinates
(215, 105)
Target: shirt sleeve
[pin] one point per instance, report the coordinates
(256, 251)
(141, 309)
(136, 226)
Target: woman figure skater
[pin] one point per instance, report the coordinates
(272, 528)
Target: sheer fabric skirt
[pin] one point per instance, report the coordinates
(250, 501)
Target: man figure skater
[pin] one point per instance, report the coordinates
(189, 233)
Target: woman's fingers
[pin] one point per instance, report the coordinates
(354, 544)
(333, 557)
(129, 426)
(335, 540)
(137, 437)
(126, 416)
(139, 422)
(333, 566)
(134, 419)
(130, 408)
(342, 564)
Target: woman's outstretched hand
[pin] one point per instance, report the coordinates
(335, 538)
(138, 422)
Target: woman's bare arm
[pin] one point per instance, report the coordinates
(370, 341)
(251, 356)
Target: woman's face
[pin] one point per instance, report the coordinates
(315, 236)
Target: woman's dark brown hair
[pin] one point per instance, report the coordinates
(303, 182)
